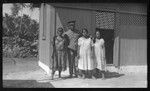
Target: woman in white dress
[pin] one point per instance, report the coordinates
(99, 49)
(85, 62)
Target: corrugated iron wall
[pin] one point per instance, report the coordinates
(83, 18)
(133, 39)
(131, 27)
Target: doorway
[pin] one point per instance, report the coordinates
(108, 36)
(105, 23)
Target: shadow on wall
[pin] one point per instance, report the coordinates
(82, 17)
(59, 22)
(25, 84)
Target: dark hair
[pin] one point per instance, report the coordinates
(97, 30)
(84, 29)
(71, 21)
(60, 28)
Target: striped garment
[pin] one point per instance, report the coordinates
(73, 37)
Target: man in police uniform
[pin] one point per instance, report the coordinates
(73, 36)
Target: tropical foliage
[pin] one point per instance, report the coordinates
(20, 36)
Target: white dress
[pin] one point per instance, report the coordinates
(85, 61)
(99, 50)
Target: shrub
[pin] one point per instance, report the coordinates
(18, 39)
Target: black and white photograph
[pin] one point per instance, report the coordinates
(74, 45)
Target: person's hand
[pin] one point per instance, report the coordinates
(91, 37)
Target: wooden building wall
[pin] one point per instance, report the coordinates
(47, 30)
(83, 18)
(133, 39)
(131, 28)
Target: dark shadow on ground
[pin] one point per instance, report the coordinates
(26, 84)
(108, 74)
(112, 75)
(98, 75)
(67, 77)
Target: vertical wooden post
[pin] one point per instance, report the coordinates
(47, 29)
(116, 50)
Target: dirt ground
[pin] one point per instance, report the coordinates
(25, 73)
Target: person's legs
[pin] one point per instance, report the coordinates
(98, 73)
(60, 63)
(70, 62)
(74, 64)
(63, 61)
(103, 75)
(59, 73)
(93, 72)
(84, 73)
(80, 73)
(54, 66)
(90, 74)
(52, 74)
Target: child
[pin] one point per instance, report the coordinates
(99, 50)
(59, 53)
(85, 61)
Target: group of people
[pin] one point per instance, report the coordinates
(85, 54)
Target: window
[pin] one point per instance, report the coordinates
(105, 20)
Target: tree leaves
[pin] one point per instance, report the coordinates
(15, 9)
(20, 32)
(19, 7)
(19, 42)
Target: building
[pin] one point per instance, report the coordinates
(124, 28)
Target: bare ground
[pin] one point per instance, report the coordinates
(26, 73)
